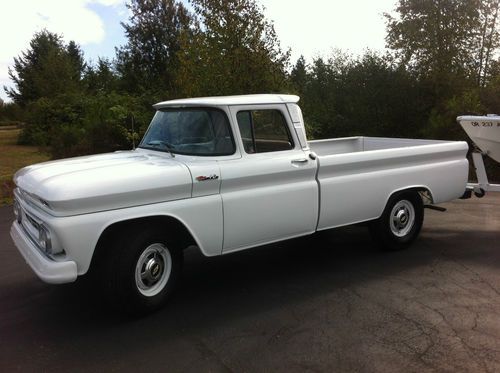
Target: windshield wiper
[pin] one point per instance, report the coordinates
(167, 146)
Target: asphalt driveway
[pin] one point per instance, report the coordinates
(330, 302)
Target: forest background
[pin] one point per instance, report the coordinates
(441, 61)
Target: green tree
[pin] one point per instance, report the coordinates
(446, 41)
(76, 60)
(232, 50)
(434, 39)
(101, 77)
(369, 95)
(148, 61)
(449, 45)
(383, 99)
(487, 40)
(81, 123)
(47, 69)
(298, 75)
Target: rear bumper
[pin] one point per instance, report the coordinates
(48, 270)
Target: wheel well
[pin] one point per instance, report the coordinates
(183, 237)
(424, 193)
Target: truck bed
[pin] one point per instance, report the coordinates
(357, 174)
(362, 144)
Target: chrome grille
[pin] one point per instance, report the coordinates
(30, 224)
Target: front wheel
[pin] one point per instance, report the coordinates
(400, 222)
(142, 270)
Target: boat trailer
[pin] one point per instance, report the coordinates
(484, 131)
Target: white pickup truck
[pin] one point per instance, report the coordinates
(224, 174)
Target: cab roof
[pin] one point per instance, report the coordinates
(260, 99)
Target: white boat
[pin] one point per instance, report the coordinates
(485, 132)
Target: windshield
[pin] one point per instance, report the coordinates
(197, 131)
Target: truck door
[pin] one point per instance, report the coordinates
(271, 192)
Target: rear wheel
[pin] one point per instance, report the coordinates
(142, 269)
(400, 222)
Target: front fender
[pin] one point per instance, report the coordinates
(202, 217)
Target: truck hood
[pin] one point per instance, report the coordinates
(103, 182)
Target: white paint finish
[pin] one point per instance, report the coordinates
(336, 146)
(356, 186)
(260, 99)
(298, 124)
(78, 235)
(208, 169)
(47, 270)
(295, 113)
(485, 132)
(360, 143)
(106, 181)
(381, 143)
(266, 197)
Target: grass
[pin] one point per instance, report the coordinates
(12, 158)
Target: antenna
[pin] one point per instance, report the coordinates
(133, 133)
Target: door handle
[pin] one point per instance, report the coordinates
(300, 160)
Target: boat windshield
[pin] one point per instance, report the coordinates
(190, 131)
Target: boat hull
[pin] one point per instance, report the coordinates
(485, 132)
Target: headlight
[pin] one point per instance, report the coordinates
(17, 211)
(44, 239)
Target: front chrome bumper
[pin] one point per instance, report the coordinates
(48, 270)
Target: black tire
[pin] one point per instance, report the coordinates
(121, 263)
(396, 235)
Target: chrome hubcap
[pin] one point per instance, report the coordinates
(402, 218)
(152, 270)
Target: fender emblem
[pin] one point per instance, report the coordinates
(205, 178)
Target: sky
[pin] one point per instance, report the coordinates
(309, 27)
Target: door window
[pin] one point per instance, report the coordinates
(264, 131)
